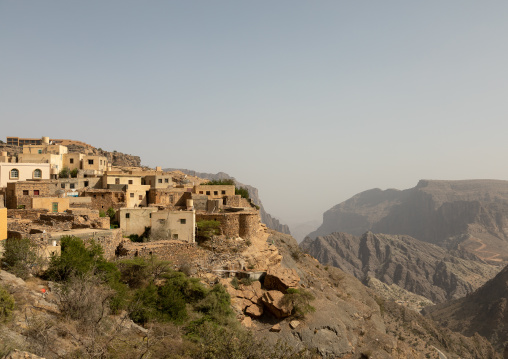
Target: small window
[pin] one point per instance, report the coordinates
(223, 192)
(39, 152)
(130, 181)
(101, 162)
(62, 185)
(160, 180)
(166, 180)
(14, 173)
(207, 193)
(150, 215)
(71, 185)
(183, 221)
(25, 192)
(37, 173)
(127, 215)
(117, 180)
(200, 192)
(71, 160)
(132, 195)
(36, 192)
(215, 193)
(86, 183)
(175, 236)
(94, 196)
(140, 197)
(90, 162)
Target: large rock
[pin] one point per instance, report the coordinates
(273, 302)
(280, 279)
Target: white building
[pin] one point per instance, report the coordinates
(13, 172)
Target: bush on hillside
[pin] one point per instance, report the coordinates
(21, 257)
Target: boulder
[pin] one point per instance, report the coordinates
(254, 310)
(273, 301)
(276, 328)
(293, 324)
(280, 279)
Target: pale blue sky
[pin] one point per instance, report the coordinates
(311, 102)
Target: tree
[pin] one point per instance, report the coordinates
(21, 257)
(207, 229)
(64, 173)
(74, 173)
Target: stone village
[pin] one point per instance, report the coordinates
(48, 192)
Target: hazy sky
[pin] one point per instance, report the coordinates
(309, 101)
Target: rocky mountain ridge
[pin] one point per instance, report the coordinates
(468, 214)
(416, 266)
(266, 218)
(485, 312)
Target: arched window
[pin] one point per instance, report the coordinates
(14, 173)
(37, 173)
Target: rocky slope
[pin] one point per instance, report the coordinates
(470, 214)
(350, 321)
(416, 266)
(266, 218)
(484, 312)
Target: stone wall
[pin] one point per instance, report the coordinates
(21, 193)
(102, 200)
(31, 214)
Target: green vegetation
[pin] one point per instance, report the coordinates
(64, 173)
(6, 304)
(21, 257)
(74, 173)
(242, 191)
(207, 229)
(299, 300)
(102, 213)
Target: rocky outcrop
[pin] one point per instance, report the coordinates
(484, 312)
(115, 158)
(467, 214)
(416, 266)
(280, 279)
(273, 300)
(266, 218)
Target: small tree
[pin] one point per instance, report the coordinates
(21, 257)
(6, 304)
(74, 173)
(64, 173)
(299, 300)
(207, 229)
(242, 191)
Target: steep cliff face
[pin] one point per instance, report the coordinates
(472, 213)
(413, 265)
(484, 312)
(266, 218)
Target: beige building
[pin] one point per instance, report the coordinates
(44, 153)
(20, 194)
(52, 204)
(14, 172)
(215, 191)
(3, 223)
(135, 220)
(175, 225)
(112, 179)
(159, 180)
(136, 196)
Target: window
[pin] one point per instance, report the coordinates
(200, 192)
(71, 185)
(101, 162)
(166, 180)
(130, 181)
(175, 236)
(223, 192)
(37, 173)
(25, 192)
(90, 162)
(207, 193)
(160, 180)
(127, 215)
(132, 195)
(215, 193)
(71, 160)
(140, 197)
(86, 183)
(36, 192)
(14, 173)
(183, 221)
(62, 185)
(39, 151)
(94, 196)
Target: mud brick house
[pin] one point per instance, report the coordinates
(102, 199)
(20, 194)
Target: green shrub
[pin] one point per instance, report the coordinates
(102, 213)
(244, 192)
(223, 182)
(111, 213)
(64, 173)
(21, 257)
(207, 229)
(6, 304)
(234, 283)
(299, 300)
(74, 173)
(217, 304)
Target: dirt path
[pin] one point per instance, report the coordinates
(480, 249)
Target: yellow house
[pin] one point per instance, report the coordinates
(52, 204)
(3, 224)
